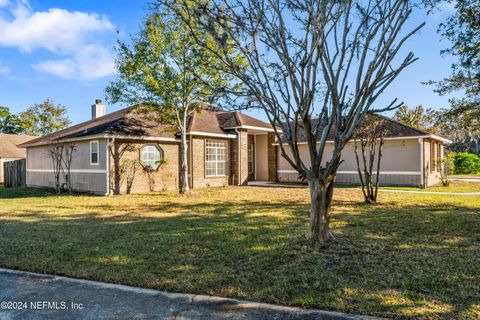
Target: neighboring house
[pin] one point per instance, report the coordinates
(224, 148)
(9, 149)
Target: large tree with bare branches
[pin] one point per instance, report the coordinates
(166, 71)
(316, 66)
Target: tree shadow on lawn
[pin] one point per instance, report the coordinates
(41, 192)
(410, 261)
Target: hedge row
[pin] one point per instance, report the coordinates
(465, 163)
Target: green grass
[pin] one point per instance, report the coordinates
(410, 256)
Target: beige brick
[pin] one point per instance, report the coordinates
(197, 168)
(166, 177)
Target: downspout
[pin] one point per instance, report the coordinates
(107, 154)
(255, 155)
(422, 160)
(238, 156)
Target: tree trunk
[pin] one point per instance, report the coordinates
(184, 164)
(321, 202)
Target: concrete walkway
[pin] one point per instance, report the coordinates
(466, 179)
(283, 185)
(26, 296)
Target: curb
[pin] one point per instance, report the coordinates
(200, 299)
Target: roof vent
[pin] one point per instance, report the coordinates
(98, 109)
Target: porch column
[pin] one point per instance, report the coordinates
(240, 158)
(272, 158)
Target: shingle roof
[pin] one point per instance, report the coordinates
(126, 122)
(237, 119)
(133, 122)
(392, 128)
(9, 145)
(206, 120)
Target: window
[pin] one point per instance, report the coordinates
(215, 158)
(151, 156)
(250, 158)
(93, 152)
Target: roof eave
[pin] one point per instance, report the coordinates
(101, 136)
(252, 128)
(444, 140)
(431, 136)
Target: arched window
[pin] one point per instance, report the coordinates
(151, 156)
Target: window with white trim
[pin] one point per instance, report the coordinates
(151, 156)
(215, 158)
(93, 152)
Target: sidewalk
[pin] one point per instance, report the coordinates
(282, 185)
(26, 296)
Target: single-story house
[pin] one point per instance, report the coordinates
(128, 150)
(9, 149)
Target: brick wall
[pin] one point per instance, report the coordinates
(272, 158)
(242, 177)
(166, 177)
(200, 180)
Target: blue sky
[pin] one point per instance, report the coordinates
(63, 50)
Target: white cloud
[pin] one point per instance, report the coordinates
(73, 37)
(4, 70)
(4, 3)
(89, 63)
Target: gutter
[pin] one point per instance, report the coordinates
(107, 155)
(430, 136)
(99, 136)
(252, 128)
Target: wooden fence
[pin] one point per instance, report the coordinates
(15, 173)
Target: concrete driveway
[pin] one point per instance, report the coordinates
(33, 296)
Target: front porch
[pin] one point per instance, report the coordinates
(254, 156)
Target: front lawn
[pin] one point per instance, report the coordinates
(410, 256)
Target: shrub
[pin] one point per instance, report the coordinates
(466, 163)
(447, 167)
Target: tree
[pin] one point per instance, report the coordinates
(462, 29)
(419, 118)
(316, 66)
(55, 151)
(130, 168)
(447, 167)
(463, 129)
(169, 73)
(117, 150)
(9, 122)
(43, 118)
(67, 159)
(370, 138)
(62, 155)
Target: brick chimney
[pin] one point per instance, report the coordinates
(98, 109)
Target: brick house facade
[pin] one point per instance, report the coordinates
(128, 152)
(134, 154)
